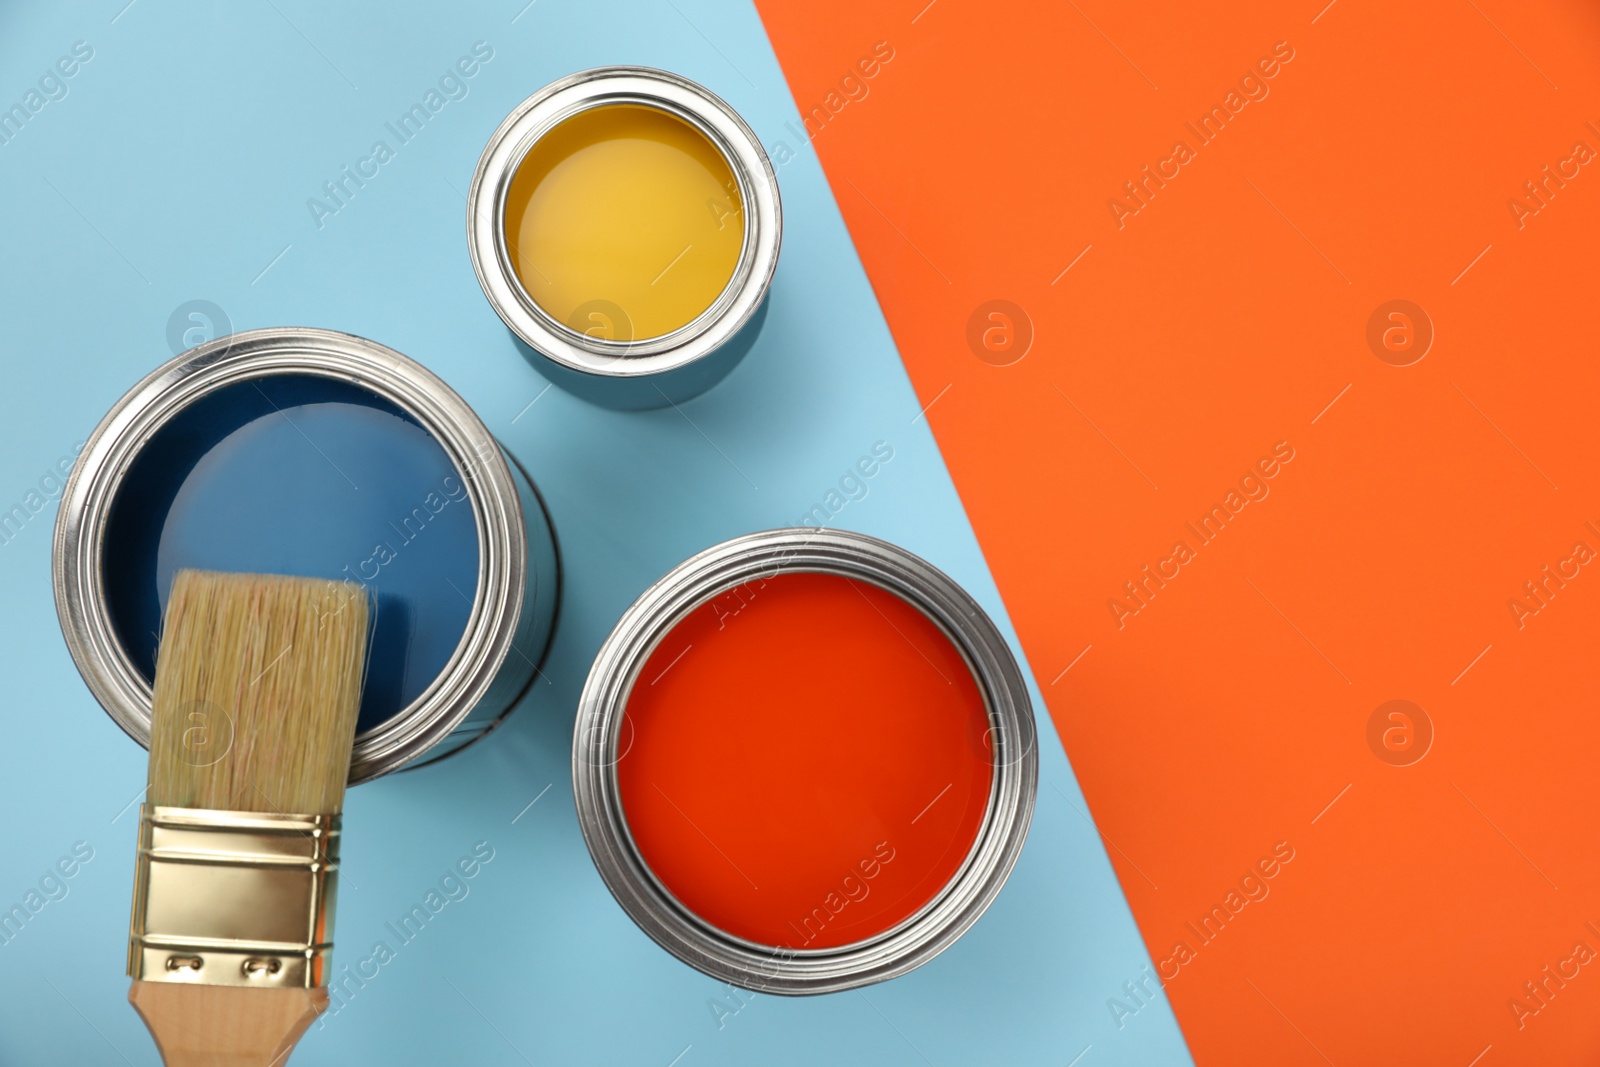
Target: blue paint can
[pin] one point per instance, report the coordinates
(309, 452)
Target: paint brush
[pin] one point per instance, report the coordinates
(257, 689)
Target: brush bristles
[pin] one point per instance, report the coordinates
(258, 684)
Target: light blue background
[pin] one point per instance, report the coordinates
(177, 168)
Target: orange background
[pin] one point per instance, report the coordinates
(1224, 317)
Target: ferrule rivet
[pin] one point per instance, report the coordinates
(260, 967)
(181, 963)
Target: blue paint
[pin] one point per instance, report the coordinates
(297, 474)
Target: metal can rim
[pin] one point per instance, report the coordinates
(677, 95)
(77, 550)
(598, 727)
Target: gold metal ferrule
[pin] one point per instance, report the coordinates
(234, 898)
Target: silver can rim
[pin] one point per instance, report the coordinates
(598, 729)
(687, 100)
(77, 552)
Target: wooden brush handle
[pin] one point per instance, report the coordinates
(225, 1026)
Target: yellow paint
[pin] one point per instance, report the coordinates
(624, 206)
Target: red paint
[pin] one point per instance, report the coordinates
(805, 761)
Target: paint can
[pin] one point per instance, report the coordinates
(590, 343)
(306, 451)
(735, 577)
